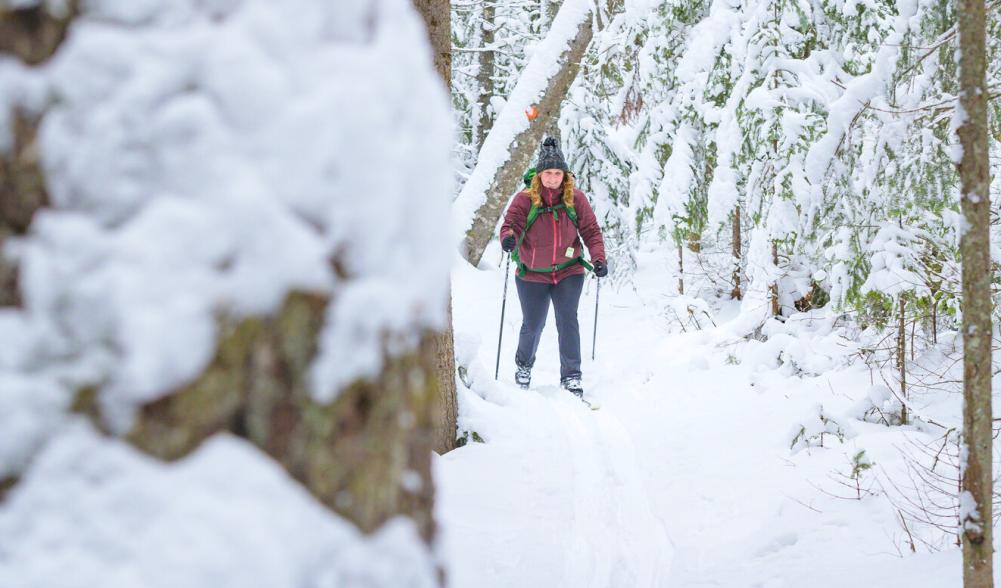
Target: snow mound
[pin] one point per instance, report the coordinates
(95, 512)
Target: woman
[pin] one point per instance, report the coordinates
(550, 261)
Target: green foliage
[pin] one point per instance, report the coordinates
(467, 437)
(860, 464)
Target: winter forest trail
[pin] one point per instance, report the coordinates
(683, 478)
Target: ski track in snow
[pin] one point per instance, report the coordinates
(586, 502)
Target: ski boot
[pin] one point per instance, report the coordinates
(572, 385)
(523, 376)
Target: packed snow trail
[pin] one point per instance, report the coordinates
(555, 498)
(683, 478)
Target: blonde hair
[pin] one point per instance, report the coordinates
(535, 190)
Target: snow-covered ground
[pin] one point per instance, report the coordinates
(685, 477)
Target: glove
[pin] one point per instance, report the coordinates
(600, 269)
(508, 243)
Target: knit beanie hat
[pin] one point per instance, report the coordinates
(550, 156)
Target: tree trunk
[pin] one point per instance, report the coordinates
(934, 316)
(31, 35)
(681, 269)
(508, 177)
(694, 242)
(902, 358)
(366, 454)
(976, 502)
(551, 8)
(736, 294)
(446, 406)
(485, 76)
(774, 287)
(438, 18)
(22, 193)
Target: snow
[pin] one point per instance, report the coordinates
(895, 259)
(687, 476)
(857, 94)
(673, 193)
(94, 512)
(969, 512)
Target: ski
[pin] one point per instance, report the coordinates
(588, 403)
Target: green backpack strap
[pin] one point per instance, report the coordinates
(527, 178)
(533, 214)
(572, 213)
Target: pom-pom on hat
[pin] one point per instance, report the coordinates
(550, 156)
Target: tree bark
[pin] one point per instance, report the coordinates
(694, 242)
(446, 405)
(485, 76)
(31, 35)
(681, 270)
(438, 18)
(366, 455)
(548, 9)
(736, 293)
(774, 287)
(902, 357)
(22, 193)
(508, 177)
(977, 514)
(551, 8)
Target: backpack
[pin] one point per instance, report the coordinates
(533, 214)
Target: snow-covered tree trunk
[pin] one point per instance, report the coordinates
(681, 270)
(353, 454)
(507, 151)
(971, 120)
(736, 293)
(773, 287)
(902, 356)
(550, 9)
(206, 258)
(31, 34)
(22, 192)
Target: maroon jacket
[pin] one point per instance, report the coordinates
(547, 241)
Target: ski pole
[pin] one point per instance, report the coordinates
(597, 292)
(500, 335)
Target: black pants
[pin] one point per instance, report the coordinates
(535, 298)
